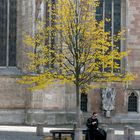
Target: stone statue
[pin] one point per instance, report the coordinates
(108, 100)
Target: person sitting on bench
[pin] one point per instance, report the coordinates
(94, 132)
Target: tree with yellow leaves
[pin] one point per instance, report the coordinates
(76, 49)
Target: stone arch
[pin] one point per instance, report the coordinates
(133, 101)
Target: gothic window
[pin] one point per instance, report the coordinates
(8, 32)
(132, 103)
(111, 9)
(84, 101)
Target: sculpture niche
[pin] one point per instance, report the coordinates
(108, 100)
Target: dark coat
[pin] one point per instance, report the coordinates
(90, 125)
(93, 132)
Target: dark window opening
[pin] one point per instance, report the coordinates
(132, 103)
(84, 101)
(111, 9)
(8, 32)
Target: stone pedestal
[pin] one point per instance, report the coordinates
(110, 134)
(108, 114)
(131, 133)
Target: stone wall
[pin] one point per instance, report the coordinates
(133, 41)
(53, 105)
(61, 98)
(14, 98)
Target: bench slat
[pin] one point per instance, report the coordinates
(60, 132)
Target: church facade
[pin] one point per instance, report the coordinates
(118, 103)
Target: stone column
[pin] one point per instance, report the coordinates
(129, 133)
(110, 134)
(126, 132)
(78, 135)
(39, 130)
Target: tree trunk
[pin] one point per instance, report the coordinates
(78, 129)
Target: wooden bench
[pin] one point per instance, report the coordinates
(58, 133)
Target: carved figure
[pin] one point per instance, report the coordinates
(108, 100)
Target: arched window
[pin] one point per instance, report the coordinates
(84, 101)
(132, 102)
(8, 32)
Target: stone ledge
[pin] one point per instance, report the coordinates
(34, 117)
(9, 116)
(6, 71)
(134, 121)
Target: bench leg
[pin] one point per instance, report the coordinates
(59, 136)
(53, 136)
(72, 136)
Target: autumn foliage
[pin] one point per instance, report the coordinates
(75, 48)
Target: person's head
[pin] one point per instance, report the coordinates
(94, 115)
